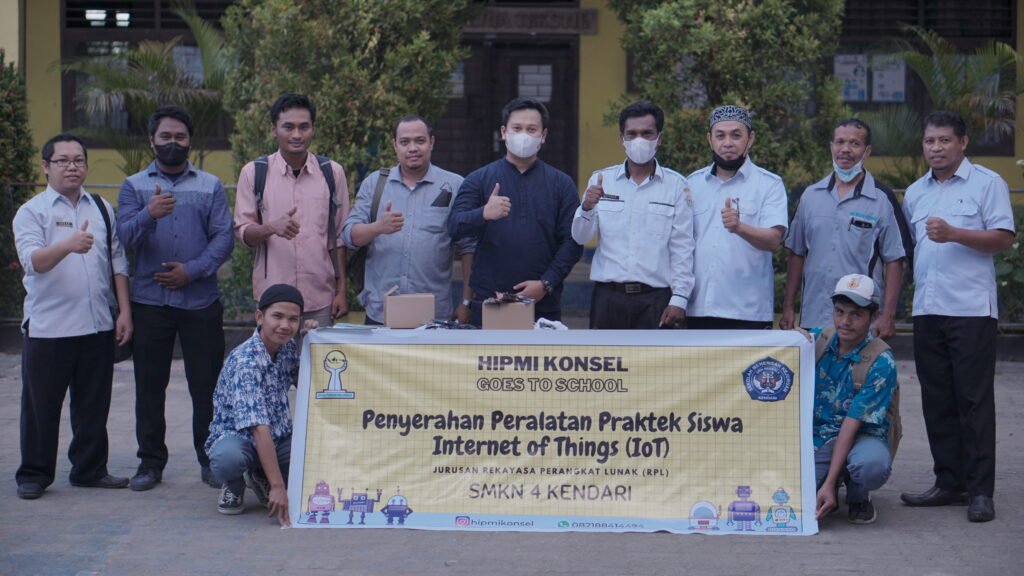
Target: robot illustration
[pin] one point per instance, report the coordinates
(704, 516)
(360, 503)
(397, 508)
(320, 503)
(780, 514)
(743, 512)
(335, 363)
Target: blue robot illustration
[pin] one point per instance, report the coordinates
(744, 513)
(781, 517)
(704, 516)
(360, 503)
(320, 504)
(397, 508)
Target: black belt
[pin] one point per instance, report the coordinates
(630, 287)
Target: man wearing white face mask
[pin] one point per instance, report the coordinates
(846, 223)
(740, 217)
(643, 267)
(519, 209)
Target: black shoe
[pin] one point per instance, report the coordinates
(146, 479)
(231, 503)
(30, 490)
(207, 475)
(107, 481)
(981, 509)
(259, 484)
(861, 512)
(934, 496)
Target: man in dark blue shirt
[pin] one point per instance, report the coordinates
(520, 209)
(176, 217)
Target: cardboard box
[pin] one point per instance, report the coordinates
(508, 316)
(408, 310)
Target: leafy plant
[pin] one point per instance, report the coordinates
(16, 166)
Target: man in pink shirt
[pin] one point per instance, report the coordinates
(290, 228)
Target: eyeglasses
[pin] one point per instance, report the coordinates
(64, 162)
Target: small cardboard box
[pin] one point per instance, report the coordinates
(508, 316)
(408, 310)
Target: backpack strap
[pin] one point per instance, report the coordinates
(259, 184)
(868, 354)
(110, 232)
(821, 344)
(332, 211)
(378, 192)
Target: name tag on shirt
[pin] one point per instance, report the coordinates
(62, 224)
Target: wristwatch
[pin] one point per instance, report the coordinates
(548, 287)
(466, 303)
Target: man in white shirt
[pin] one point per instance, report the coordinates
(739, 219)
(68, 328)
(643, 267)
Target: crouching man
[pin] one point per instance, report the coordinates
(856, 403)
(251, 433)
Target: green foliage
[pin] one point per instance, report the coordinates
(144, 77)
(364, 63)
(770, 56)
(16, 165)
(1010, 275)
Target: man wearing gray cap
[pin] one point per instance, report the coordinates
(250, 435)
(739, 219)
(856, 407)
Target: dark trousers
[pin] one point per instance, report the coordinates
(612, 308)
(49, 368)
(202, 344)
(713, 323)
(956, 361)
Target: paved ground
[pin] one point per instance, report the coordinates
(175, 529)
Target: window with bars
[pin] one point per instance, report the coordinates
(107, 27)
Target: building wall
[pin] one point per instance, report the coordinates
(10, 27)
(602, 80)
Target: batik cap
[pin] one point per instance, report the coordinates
(731, 112)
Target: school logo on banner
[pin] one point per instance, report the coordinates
(768, 380)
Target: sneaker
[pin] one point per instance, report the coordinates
(207, 475)
(861, 512)
(230, 503)
(259, 485)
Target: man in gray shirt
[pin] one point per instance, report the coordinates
(408, 241)
(847, 223)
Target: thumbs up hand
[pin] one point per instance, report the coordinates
(286, 226)
(497, 207)
(731, 216)
(81, 241)
(594, 193)
(389, 222)
(160, 204)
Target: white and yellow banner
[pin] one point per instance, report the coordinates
(555, 431)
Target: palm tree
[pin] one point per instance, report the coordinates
(140, 79)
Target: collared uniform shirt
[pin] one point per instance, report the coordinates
(856, 235)
(534, 242)
(417, 258)
(952, 279)
(75, 296)
(197, 233)
(646, 234)
(253, 391)
(303, 261)
(732, 278)
(836, 399)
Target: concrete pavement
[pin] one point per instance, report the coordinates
(175, 529)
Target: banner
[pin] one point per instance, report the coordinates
(553, 431)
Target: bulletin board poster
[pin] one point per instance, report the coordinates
(555, 431)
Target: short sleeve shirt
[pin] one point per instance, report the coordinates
(836, 399)
(950, 278)
(253, 390)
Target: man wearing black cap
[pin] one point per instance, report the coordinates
(250, 436)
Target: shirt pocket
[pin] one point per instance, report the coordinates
(435, 220)
(659, 218)
(966, 214)
(611, 215)
(748, 212)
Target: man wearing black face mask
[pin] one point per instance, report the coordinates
(176, 218)
(739, 219)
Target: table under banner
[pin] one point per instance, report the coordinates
(553, 431)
